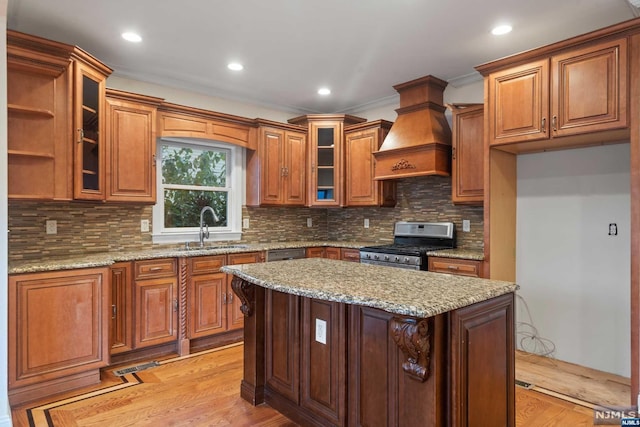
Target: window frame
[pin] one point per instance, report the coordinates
(235, 195)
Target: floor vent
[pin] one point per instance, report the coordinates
(132, 369)
(524, 384)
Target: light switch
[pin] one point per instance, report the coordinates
(309, 222)
(466, 225)
(245, 223)
(366, 223)
(321, 331)
(52, 226)
(144, 225)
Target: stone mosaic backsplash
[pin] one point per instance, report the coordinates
(86, 228)
(426, 198)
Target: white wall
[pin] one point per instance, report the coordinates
(193, 99)
(5, 411)
(574, 277)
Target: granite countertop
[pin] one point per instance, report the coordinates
(460, 253)
(396, 290)
(106, 259)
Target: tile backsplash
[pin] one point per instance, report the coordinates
(85, 228)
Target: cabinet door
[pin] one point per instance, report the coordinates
(156, 311)
(332, 253)
(89, 174)
(130, 155)
(58, 324)
(318, 252)
(519, 103)
(360, 188)
(121, 327)
(282, 343)
(324, 159)
(323, 359)
(467, 180)
(589, 89)
(207, 296)
(295, 154)
(271, 151)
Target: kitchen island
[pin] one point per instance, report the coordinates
(335, 343)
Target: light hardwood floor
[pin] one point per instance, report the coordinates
(203, 390)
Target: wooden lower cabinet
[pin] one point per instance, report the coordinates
(235, 318)
(156, 302)
(316, 252)
(330, 252)
(461, 267)
(349, 254)
(207, 292)
(120, 303)
(58, 331)
(324, 363)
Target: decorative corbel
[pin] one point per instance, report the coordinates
(413, 337)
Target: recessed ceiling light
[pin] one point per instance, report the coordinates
(324, 91)
(132, 37)
(501, 29)
(235, 66)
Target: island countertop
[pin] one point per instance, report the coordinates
(395, 290)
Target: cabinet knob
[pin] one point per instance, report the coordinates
(544, 124)
(554, 122)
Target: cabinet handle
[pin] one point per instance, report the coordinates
(313, 167)
(453, 153)
(554, 122)
(453, 267)
(154, 160)
(286, 171)
(155, 268)
(80, 135)
(175, 305)
(230, 297)
(281, 171)
(114, 310)
(544, 124)
(224, 298)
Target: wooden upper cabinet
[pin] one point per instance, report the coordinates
(325, 157)
(181, 121)
(276, 171)
(88, 128)
(589, 89)
(131, 145)
(467, 171)
(361, 141)
(519, 102)
(570, 93)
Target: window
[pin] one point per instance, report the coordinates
(192, 174)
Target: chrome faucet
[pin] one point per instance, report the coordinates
(204, 228)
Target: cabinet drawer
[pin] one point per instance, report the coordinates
(352, 255)
(155, 268)
(207, 264)
(462, 267)
(245, 258)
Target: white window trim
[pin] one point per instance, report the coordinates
(236, 197)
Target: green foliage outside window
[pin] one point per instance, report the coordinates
(183, 166)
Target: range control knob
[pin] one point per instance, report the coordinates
(368, 256)
(376, 257)
(406, 260)
(386, 257)
(397, 259)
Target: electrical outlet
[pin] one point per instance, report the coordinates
(613, 229)
(309, 222)
(144, 225)
(245, 223)
(321, 331)
(366, 223)
(466, 225)
(52, 226)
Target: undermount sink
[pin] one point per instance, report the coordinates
(195, 247)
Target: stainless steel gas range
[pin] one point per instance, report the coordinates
(411, 242)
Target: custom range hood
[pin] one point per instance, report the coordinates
(419, 142)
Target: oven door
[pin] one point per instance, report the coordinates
(390, 264)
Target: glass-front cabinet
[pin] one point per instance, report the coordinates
(89, 122)
(326, 160)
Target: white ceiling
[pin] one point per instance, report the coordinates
(358, 48)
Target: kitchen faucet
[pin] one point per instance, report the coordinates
(204, 233)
